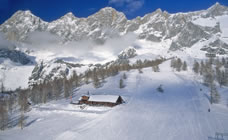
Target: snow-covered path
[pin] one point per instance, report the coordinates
(181, 112)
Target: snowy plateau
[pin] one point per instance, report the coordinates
(161, 103)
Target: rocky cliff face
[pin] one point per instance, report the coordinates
(21, 24)
(127, 53)
(15, 56)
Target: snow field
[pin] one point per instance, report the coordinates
(181, 112)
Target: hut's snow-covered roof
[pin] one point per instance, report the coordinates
(104, 98)
(81, 97)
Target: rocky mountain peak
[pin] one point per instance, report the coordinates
(22, 23)
(216, 10)
(108, 12)
(69, 15)
(215, 6)
(22, 16)
(109, 22)
(108, 9)
(159, 11)
(22, 13)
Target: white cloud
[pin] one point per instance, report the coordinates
(85, 51)
(4, 43)
(134, 5)
(131, 5)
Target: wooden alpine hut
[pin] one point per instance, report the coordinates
(101, 100)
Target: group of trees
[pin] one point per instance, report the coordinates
(24, 106)
(55, 89)
(63, 87)
(10, 102)
(6, 108)
(178, 65)
(213, 71)
(97, 75)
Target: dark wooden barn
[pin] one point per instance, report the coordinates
(101, 100)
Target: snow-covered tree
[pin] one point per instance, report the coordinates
(121, 84)
(124, 76)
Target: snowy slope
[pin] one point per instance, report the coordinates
(15, 75)
(181, 112)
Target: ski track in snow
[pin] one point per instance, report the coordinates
(178, 113)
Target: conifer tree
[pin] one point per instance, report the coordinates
(184, 66)
(196, 67)
(124, 76)
(121, 84)
(178, 65)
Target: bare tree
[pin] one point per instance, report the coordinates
(221, 77)
(87, 76)
(57, 87)
(67, 87)
(96, 81)
(3, 114)
(11, 103)
(215, 97)
(2, 81)
(2, 87)
(23, 102)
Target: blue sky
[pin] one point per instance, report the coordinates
(50, 10)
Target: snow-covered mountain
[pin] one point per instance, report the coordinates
(110, 36)
(185, 29)
(152, 62)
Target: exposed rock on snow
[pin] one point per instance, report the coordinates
(15, 56)
(216, 46)
(127, 53)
